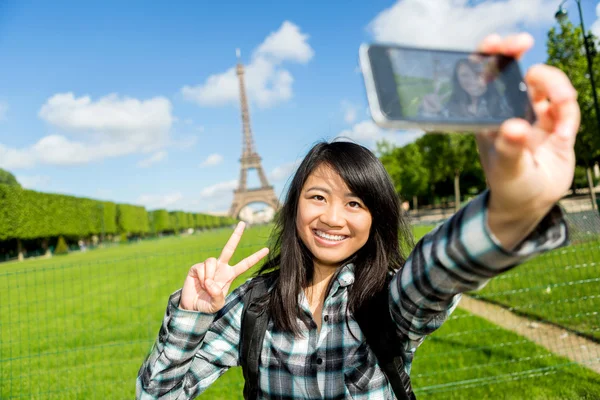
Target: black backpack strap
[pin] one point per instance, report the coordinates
(383, 338)
(254, 326)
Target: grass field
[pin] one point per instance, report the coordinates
(560, 286)
(80, 326)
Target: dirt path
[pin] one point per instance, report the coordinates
(555, 339)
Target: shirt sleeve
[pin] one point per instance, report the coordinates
(192, 350)
(458, 256)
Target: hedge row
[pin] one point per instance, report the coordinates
(27, 214)
(163, 221)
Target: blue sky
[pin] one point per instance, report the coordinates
(135, 101)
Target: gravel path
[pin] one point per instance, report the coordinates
(557, 340)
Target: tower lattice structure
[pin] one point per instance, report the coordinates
(250, 159)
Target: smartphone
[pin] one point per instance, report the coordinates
(442, 90)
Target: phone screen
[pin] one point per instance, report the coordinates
(448, 86)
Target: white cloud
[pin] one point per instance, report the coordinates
(153, 159)
(217, 198)
(110, 115)
(221, 189)
(368, 134)
(457, 23)
(211, 160)
(3, 110)
(596, 24)
(15, 158)
(267, 82)
(286, 44)
(33, 181)
(283, 172)
(59, 150)
(350, 111)
(151, 201)
(93, 130)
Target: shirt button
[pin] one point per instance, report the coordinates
(319, 361)
(326, 318)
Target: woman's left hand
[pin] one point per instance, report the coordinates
(529, 167)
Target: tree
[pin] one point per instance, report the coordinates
(405, 166)
(566, 52)
(447, 157)
(61, 246)
(8, 179)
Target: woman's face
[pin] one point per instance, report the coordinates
(472, 82)
(332, 222)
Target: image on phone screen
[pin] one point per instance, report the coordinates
(441, 86)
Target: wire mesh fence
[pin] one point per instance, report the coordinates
(79, 326)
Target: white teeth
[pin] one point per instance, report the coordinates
(329, 237)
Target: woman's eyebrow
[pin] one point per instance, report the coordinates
(328, 191)
(319, 188)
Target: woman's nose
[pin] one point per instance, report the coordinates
(332, 216)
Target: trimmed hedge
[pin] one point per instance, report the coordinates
(159, 221)
(132, 219)
(110, 217)
(10, 217)
(27, 214)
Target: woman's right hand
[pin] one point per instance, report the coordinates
(207, 283)
(431, 104)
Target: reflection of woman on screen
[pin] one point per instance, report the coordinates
(472, 96)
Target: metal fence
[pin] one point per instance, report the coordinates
(79, 327)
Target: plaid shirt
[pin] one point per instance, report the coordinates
(194, 349)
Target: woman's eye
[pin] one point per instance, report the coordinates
(354, 204)
(318, 197)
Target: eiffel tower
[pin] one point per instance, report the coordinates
(250, 159)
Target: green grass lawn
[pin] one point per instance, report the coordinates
(79, 326)
(560, 286)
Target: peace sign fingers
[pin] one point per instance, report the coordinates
(232, 243)
(207, 283)
(249, 262)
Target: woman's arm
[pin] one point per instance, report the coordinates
(528, 169)
(459, 256)
(199, 337)
(192, 350)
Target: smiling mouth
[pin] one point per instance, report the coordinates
(329, 237)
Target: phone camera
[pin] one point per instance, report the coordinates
(522, 87)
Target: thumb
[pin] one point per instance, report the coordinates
(509, 144)
(213, 289)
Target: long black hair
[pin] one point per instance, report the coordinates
(292, 263)
(460, 99)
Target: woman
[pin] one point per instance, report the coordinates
(471, 96)
(337, 240)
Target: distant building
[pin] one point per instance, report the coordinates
(252, 216)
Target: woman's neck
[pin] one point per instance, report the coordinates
(472, 107)
(317, 286)
(316, 291)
